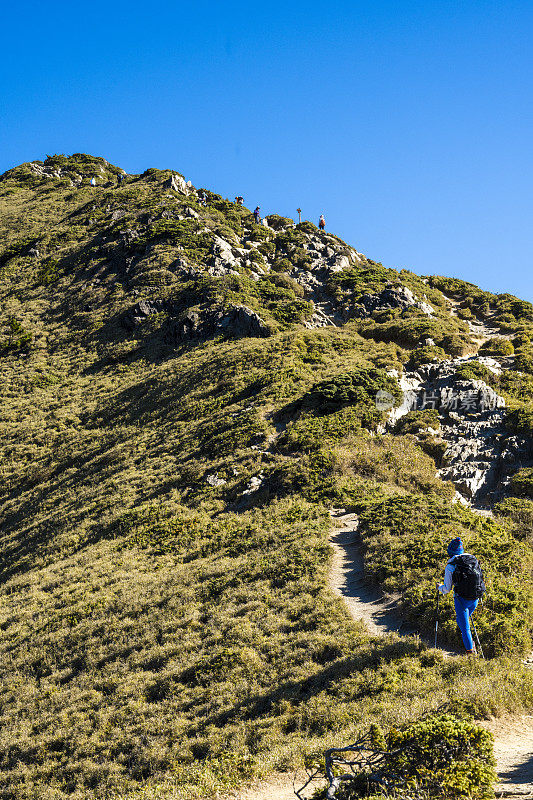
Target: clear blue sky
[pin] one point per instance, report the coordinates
(408, 124)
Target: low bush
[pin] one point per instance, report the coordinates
(475, 371)
(279, 223)
(520, 512)
(441, 756)
(425, 355)
(417, 421)
(497, 346)
(522, 483)
(359, 386)
(307, 227)
(520, 420)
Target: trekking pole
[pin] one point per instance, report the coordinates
(437, 618)
(477, 639)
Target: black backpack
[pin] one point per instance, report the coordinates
(467, 577)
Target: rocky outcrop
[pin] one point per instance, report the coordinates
(390, 297)
(136, 315)
(480, 455)
(235, 321)
(179, 184)
(223, 260)
(201, 323)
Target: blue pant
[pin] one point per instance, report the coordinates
(463, 610)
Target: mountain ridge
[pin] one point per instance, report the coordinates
(185, 395)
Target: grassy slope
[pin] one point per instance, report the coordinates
(152, 630)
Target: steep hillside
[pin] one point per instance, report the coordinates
(185, 395)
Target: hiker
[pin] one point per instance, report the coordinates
(256, 215)
(463, 573)
(120, 178)
(322, 222)
(93, 181)
(239, 200)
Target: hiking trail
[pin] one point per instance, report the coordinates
(513, 749)
(513, 736)
(346, 579)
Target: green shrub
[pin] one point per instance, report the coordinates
(425, 355)
(307, 227)
(416, 421)
(361, 385)
(497, 346)
(292, 311)
(522, 483)
(282, 265)
(279, 223)
(520, 512)
(521, 340)
(445, 755)
(285, 282)
(520, 420)
(523, 363)
(440, 756)
(18, 337)
(475, 371)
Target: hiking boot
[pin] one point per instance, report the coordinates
(472, 652)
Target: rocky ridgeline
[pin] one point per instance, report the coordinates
(324, 256)
(479, 456)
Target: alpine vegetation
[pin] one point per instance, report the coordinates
(188, 390)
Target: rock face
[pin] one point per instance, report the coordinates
(235, 321)
(391, 297)
(179, 184)
(223, 260)
(480, 455)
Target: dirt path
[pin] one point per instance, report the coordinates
(513, 748)
(279, 787)
(346, 580)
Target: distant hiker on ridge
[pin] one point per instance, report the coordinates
(322, 222)
(256, 215)
(239, 200)
(463, 573)
(93, 181)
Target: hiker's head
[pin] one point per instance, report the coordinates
(455, 548)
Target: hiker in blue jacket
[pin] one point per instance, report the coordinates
(463, 574)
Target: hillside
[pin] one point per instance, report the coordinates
(185, 396)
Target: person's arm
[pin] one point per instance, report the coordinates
(446, 587)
